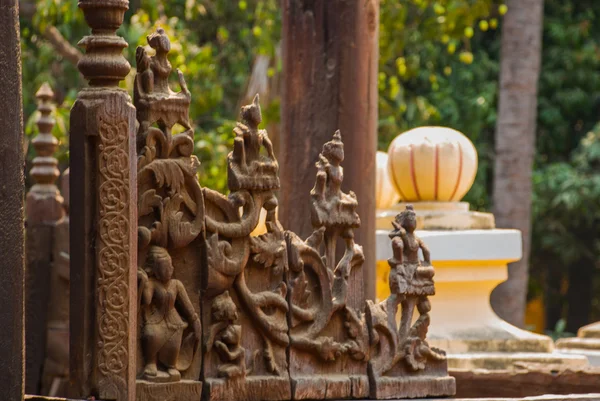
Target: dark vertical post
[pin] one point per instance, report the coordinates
(330, 58)
(11, 213)
(104, 209)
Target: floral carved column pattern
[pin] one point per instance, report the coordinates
(103, 197)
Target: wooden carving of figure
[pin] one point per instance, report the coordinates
(167, 312)
(226, 337)
(248, 168)
(402, 362)
(406, 245)
(159, 64)
(412, 281)
(331, 206)
(249, 139)
(154, 100)
(145, 73)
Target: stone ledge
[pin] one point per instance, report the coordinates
(528, 380)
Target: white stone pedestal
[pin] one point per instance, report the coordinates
(469, 264)
(586, 343)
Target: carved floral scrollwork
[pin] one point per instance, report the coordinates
(113, 291)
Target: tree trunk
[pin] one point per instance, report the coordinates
(515, 143)
(330, 58)
(579, 295)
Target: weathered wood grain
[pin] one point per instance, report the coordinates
(330, 58)
(533, 380)
(12, 266)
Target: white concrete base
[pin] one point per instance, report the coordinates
(438, 216)
(593, 357)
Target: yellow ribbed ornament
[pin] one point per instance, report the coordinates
(432, 164)
(386, 195)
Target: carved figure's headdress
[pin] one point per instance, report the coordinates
(251, 114)
(408, 212)
(159, 41)
(334, 149)
(141, 58)
(155, 253)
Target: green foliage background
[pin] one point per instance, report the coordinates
(439, 66)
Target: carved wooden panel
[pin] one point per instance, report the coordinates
(403, 364)
(329, 340)
(224, 313)
(244, 304)
(170, 230)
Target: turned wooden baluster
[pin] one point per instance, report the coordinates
(44, 202)
(43, 209)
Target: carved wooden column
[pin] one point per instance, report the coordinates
(103, 197)
(44, 202)
(43, 208)
(330, 56)
(11, 198)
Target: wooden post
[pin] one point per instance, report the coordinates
(43, 208)
(103, 199)
(11, 212)
(330, 55)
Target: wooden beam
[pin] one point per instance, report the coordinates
(330, 59)
(525, 382)
(11, 213)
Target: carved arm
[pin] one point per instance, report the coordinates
(426, 253)
(187, 309)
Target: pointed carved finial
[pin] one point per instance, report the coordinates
(103, 63)
(44, 200)
(45, 171)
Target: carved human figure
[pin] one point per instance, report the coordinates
(166, 311)
(145, 73)
(406, 245)
(160, 65)
(226, 337)
(411, 280)
(156, 103)
(248, 169)
(331, 206)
